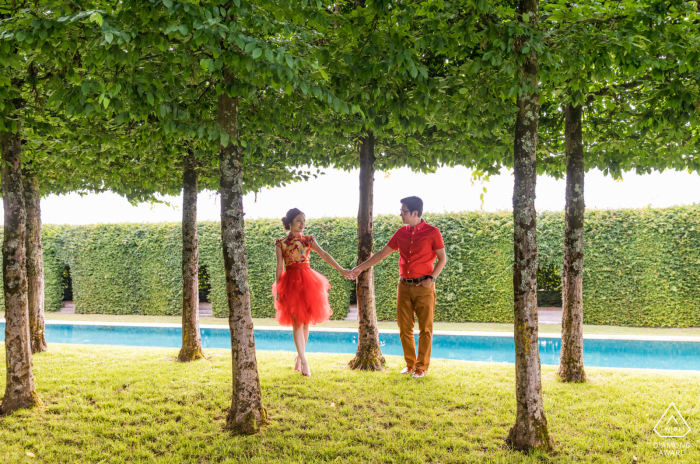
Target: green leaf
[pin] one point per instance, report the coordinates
(257, 53)
(150, 98)
(526, 17)
(96, 18)
(109, 37)
(85, 87)
(476, 65)
(290, 60)
(224, 139)
(168, 3)
(463, 91)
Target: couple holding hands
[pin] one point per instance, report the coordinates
(301, 294)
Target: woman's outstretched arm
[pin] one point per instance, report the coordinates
(327, 258)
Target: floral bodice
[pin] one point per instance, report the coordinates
(296, 249)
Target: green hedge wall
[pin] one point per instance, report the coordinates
(123, 268)
(642, 267)
(135, 268)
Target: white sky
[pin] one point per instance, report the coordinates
(336, 194)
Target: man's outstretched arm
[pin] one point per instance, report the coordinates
(375, 259)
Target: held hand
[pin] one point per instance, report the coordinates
(277, 296)
(345, 273)
(354, 273)
(427, 283)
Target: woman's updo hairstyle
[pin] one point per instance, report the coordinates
(289, 218)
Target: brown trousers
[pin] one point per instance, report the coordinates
(419, 302)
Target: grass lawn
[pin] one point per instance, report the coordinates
(122, 404)
(469, 326)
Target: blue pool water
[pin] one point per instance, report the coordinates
(603, 353)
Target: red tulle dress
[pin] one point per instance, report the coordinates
(303, 292)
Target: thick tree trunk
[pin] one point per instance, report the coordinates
(35, 263)
(20, 391)
(369, 353)
(571, 363)
(247, 413)
(191, 339)
(530, 430)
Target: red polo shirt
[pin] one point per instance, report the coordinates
(417, 247)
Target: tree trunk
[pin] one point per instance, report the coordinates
(20, 391)
(35, 263)
(571, 363)
(191, 339)
(530, 430)
(247, 413)
(369, 353)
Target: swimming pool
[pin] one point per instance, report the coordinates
(646, 354)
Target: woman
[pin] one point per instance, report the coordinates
(301, 294)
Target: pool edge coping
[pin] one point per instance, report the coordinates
(386, 331)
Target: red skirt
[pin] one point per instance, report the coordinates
(303, 293)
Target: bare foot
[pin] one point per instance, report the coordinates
(305, 371)
(297, 364)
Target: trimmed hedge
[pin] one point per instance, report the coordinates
(642, 267)
(135, 268)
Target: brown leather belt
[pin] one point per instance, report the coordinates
(416, 280)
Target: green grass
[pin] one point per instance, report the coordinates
(468, 326)
(123, 404)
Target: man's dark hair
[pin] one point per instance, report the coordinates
(413, 204)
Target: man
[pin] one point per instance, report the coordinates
(419, 244)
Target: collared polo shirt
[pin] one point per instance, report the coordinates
(417, 247)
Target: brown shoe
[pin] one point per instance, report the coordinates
(407, 370)
(419, 374)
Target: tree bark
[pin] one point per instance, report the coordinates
(369, 353)
(191, 339)
(530, 430)
(35, 263)
(20, 390)
(571, 363)
(247, 413)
